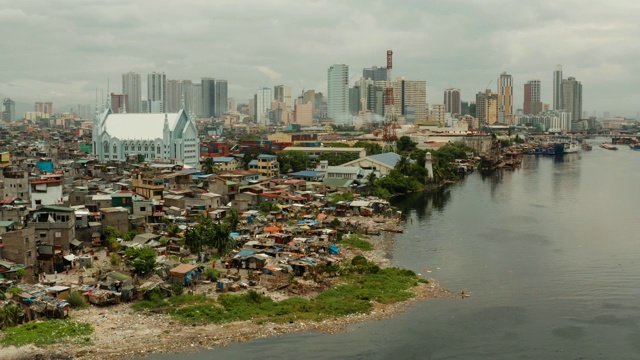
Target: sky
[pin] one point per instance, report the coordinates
(63, 50)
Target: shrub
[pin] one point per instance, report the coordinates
(212, 274)
(76, 300)
(359, 260)
(115, 259)
(177, 289)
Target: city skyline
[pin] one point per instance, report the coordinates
(114, 38)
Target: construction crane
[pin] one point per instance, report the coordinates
(389, 130)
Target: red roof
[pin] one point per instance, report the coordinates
(39, 182)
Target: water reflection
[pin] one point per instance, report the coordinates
(422, 204)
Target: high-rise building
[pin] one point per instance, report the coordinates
(409, 95)
(174, 96)
(375, 73)
(157, 90)
(84, 111)
(487, 107)
(119, 103)
(532, 104)
(437, 112)
(557, 88)
(304, 114)
(132, 87)
(221, 98)
(214, 97)
(8, 110)
(43, 107)
(282, 93)
(572, 98)
(505, 97)
(262, 101)
(452, 103)
(338, 93)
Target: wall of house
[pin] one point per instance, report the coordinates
(20, 248)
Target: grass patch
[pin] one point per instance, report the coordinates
(355, 296)
(47, 332)
(357, 241)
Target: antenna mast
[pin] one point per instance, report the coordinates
(389, 131)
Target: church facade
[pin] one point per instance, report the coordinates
(166, 137)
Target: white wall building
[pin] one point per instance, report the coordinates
(338, 93)
(262, 101)
(162, 136)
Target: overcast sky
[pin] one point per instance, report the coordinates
(62, 50)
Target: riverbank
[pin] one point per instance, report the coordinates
(121, 332)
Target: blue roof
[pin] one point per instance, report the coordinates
(223, 159)
(253, 163)
(244, 253)
(265, 156)
(389, 158)
(307, 173)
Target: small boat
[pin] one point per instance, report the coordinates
(571, 147)
(608, 146)
(550, 151)
(587, 147)
(635, 146)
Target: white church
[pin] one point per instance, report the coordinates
(167, 137)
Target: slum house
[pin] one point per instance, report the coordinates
(140, 240)
(37, 304)
(186, 274)
(55, 225)
(117, 217)
(18, 245)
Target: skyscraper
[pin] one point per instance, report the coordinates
(505, 97)
(572, 98)
(557, 88)
(8, 110)
(119, 103)
(214, 97)
(282, 93)
(262, 101)
(132, 87)
(157, 89)
(452, 103)
(532, 104)
(375, 73)
(487, 107)
(338, 93)
(174, 96)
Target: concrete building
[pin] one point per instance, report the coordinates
(8, 110)
(437, 113)
(55, 225)
(551, 120)
(14, 183)
(338, 93)
(166, 137)
(18, 245)
(557, 88)
(572, 98)
(315, 152)
(375, 73)
(262, 102)
(409, 95)
(487, 107)
(382, 163)
(505, 98)
(303, 114)
(282, 93)
(45, 192)
(157, 90)
(132, 88)
(266, 165)
(118, 217)
(148, 186)
(532, 104)
(119, 103)
(214, 97)
(174, 95)
(452, 103)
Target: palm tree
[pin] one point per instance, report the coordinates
(403, 165)
(371, 181)
(208, 166)
(232, 219)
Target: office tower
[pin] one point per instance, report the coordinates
(44, 107)
(338, 93)
(572, 98)
(557, 88)
(84, 111)
(309, 96)
(194, 102)
(303, 114)
(174, 96)
(464, 108)
(157, 90)
(487, 107)
(38, 107)
(282, 93)
(119, 103)
(375, 73)
(505, 96)
(355, 104)
(231, 104)
(437, 112)
(532, 104)
(8, 110)
(132, 87)
(262, 102)
(221, 98)
(409, 95)
(214, 97)
(452, 103)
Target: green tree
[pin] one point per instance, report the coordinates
(266, 207)
(111, 231)
(143, 260)
(404, 143)
(209, 166)
(232, 220)
(370, 147)
(403, 165)
(420, 156)
(293, 161)
(172, 229)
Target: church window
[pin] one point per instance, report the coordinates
(115, 148)
(106, 147)
(158, 149)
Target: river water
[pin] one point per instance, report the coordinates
(549, 254)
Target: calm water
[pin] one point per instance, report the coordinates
(549, 252)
